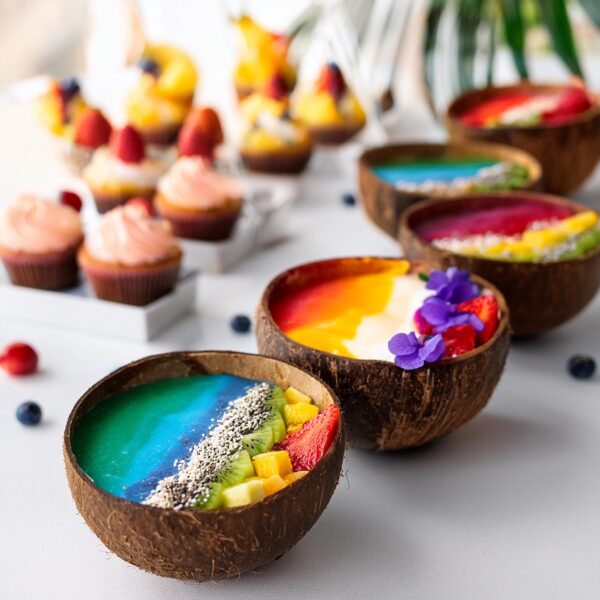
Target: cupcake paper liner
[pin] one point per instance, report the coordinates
(333, 135)
(75, 156)
(164, 135)
(52, 271)
(286, 161)
(132, 286)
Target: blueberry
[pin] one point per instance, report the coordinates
(348, 199)
(241, 324)
(147, 65)
(581, 367)
(69, 88)
(29, 413)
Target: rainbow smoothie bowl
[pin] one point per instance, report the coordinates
(232, 459)
(411, 353)
(557, 124)
(541, 251)
(393, 177)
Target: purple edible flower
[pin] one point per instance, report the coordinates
(453, 285)
(412, 353)
(442, 315)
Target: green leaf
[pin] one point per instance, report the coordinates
(556, 20)
(468, 20)
(514, 33)
(492, 33)
(434, 16)
(592, 8)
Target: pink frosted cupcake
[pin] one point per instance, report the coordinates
(198, 201)
(131, 257)
(39, 240)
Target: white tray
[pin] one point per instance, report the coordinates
(78, 308)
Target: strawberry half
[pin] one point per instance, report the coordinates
(486, 308)
(307, 446)
(572, 102)
(92, 129)
(458, 340)
(277, 87)
(332, 81)
(422, 325)
(208, 120)
(127, 144)
(194, 141)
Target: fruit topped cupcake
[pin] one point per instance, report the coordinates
(273, 141)
(39, 240)
(160, 101)
(331, 110)
(60, 105)
(201, 133)
(122, 170)
(263, 55)
(131, 257)
(198, 201)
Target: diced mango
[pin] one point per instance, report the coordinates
(273, 484)
(296, 414)
(248, 492)
(293, 428)
(295, 476)
(276, 462)
(294, 396)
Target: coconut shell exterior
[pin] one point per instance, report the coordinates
(568, 153)
(204, 544)
(386, 407)
(540, 296)
(384, 204)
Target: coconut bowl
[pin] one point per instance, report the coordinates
(540, 296)
(386, 407)
(384, 203)
(203, 544)
(568, 152)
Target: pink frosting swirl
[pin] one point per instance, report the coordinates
(128, 236)
(35, 225)
(193, 184)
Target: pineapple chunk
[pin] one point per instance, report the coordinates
(273, 484)
(293, 428)
(296, 414)
(272, 463)
(248, 492)
(295, 476)
(294, 396)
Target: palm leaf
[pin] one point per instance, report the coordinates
(514, 33)
(469, 15)
(592, 8)
(556, 20)
(492, 32)
(434, 16)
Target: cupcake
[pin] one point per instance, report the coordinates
(263, 55)
(39, 240)
(78, 128)
(159, 103)
(331, 110)
(122, 170)
(131, 257)
(273, 142)
(198, 201)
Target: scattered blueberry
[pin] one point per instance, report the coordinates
(29, 413)
(241, 324)
(581, 367)
(348, 199)
(147, 65)
(69, 88)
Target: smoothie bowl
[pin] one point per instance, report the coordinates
(557, 124)
(541, 251)
(412, 354)
(203, 465)
(393, 177)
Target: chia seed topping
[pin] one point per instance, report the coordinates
(219, 448)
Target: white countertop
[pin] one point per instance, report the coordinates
(507, 507)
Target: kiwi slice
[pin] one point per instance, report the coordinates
(277, 424)
(277, 399)
(259, 441)
(238, 470)
(214, 498)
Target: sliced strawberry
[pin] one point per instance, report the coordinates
(332, 81)
(127, 144)
(143, 204)
(458, 340)
(194, 141)
(486, 308)
(208, 120)
(571, 102)
(277, 87)
(307, 446)
(422, 325)
(72, 199)
(92, 129)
